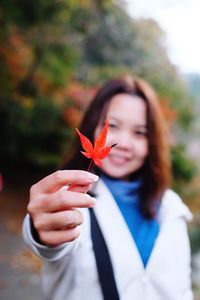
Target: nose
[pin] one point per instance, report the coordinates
(125, 141)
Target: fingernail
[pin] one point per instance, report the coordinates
(92, 177)
(93, 201)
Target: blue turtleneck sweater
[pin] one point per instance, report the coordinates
(144, 231)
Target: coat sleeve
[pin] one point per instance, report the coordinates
(173, 251)
(45, 252)
(183, 260)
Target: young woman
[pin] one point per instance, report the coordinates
(117, 232)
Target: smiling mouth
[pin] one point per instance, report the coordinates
(118, 159)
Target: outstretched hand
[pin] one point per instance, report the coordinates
(53, 205)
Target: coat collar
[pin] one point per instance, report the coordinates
(126, 261)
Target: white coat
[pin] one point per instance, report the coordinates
(70, 271)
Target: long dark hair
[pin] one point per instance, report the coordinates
(156, 170)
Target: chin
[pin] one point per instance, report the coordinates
(117, 175)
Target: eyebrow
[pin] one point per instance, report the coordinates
(137, 126)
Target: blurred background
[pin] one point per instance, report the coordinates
(53, 56)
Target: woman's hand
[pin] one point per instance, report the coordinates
(52, 205)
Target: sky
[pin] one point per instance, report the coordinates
(180, 19)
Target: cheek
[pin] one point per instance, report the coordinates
(111, 138)
(143, 148)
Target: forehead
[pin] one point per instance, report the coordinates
(127, 107)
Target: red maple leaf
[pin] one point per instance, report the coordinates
(98, 151)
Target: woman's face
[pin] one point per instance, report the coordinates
(127, 120)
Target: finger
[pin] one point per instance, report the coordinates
(63, 200)
(60, 220)
(79, 188)
(58, 179)
(58, 237)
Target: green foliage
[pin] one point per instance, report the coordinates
(58, 64)
(193, 82)
(184, 168)
(184, 171)
(32, 133)
(194, 233)
(32, 126)
(27, 12)
(195, 240)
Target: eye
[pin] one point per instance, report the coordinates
(112, 125)
(141, 133)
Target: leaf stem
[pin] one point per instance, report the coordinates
(90, 164)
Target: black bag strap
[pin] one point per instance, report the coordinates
(104, 265)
